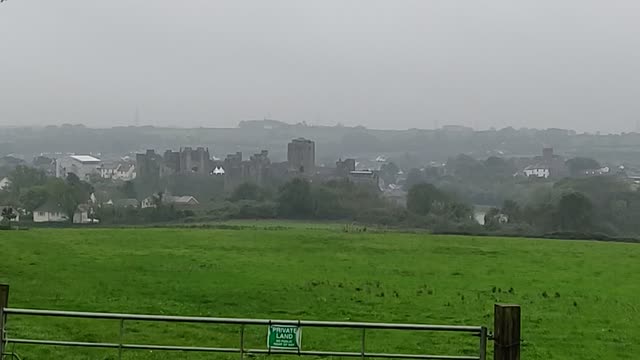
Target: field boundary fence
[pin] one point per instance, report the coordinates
(506, 335)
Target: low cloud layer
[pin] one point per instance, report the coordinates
(383, 64)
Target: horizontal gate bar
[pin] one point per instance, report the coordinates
(366, 354)
(196, 319)
(234, 350)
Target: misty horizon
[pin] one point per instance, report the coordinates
(308, 125)
(378, 64)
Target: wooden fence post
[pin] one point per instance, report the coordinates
(506, 332)
(4, 302)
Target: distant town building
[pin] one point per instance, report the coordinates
(5, 183)
(301, 156)
(124, 171)
(46, 164)
(149, 165)
(80, 165)
(195, 161)
(150, 202)
(236, 171)
(186, 161)
(365, 178)
(538, 170)
(170, 163)
(605, 170)
(84, 215)
(547, 165)
(233, 174)
(125, 203)
(108, 170)
(396, 195)
(344, 167)
(49, 212)
(177, 201)
(53, 212)
(257, 170)
(181, 201)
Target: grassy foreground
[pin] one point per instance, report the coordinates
(580, 300)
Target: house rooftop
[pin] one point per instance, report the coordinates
(181, 199)
(537, 166)
(49, 206)
(109, 165)
(85, 158)
(84, 207)
(125, 167)
(301, 139)
(126, 203)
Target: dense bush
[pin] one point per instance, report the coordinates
(249, 191)
(134, 216)
(248, 209)
(589, 206)
(295, 199)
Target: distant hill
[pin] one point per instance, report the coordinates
(408, 148)
(262, 124)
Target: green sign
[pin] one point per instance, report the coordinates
(284, 337)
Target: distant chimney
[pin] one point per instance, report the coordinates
(547, 153)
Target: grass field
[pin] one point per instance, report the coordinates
(579, 299)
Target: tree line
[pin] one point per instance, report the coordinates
(342, 200)
(592, 206)
(31, 188)
(606, 205)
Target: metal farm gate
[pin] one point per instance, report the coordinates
(507, 322)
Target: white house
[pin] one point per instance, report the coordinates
(594, 172)
(179, 201)
(53, 212)
(5, 183)
(125, 203)
(538, 170)
(396, 195)
(80, 165)
(149, 202)
(49, 212)
(126, 172)
(108, 170)
(83, 215)
(365, 177)
(118, 171)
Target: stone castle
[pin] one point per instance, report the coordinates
(258, 169)
(184, 162)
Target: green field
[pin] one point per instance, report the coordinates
(579, 299)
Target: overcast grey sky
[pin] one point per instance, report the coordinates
(383, 64)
